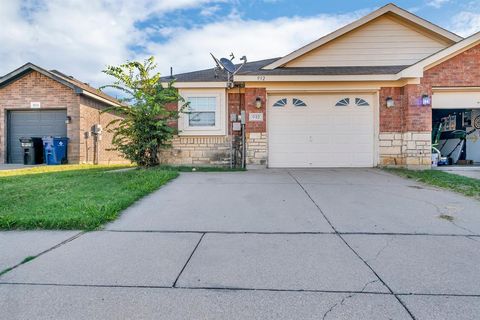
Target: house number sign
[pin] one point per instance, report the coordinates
(256, 117)
(35, 105)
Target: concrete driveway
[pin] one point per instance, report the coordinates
(272, 244)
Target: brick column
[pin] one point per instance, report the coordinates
(405, 130)
(256, 131)
(418, 127)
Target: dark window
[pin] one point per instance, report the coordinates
(280, 103)
(343, 103)
(298, 103)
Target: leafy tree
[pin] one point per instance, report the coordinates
(145, 126)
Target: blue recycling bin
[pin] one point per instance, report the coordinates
(55, 150)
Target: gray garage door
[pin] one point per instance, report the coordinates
(33, 123)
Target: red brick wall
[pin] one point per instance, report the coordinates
(417, 116)
(90, 114)
(251, 95)
(172, 106)
(410, 115)
(236, 103)
(84, 112)
(461, 70)
(391, 119)
(35, 87)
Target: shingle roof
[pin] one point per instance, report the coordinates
(85, 86)
(255, 68)
(209, 75)
(69, 81)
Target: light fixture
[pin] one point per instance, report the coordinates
(390, 102)
(426, 100)
(68, 120)
(258, 102)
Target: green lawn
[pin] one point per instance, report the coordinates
(74, 196)
(464, 185)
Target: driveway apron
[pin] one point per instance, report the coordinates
(263, 244)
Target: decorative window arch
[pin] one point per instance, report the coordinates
(361, 102)
(280, 103)
(298, 103)
(343, 102)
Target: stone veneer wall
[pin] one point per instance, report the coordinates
(256, 148)
(205, 150)
(405, 149)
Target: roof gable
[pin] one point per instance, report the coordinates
(384, 41)
(76, 85)
(418, 68)
(27, 68)
(406, 21)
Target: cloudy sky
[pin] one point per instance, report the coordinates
(81, 37)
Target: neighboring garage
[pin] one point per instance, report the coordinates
(35, 102)
(321, 130)
(31, 123)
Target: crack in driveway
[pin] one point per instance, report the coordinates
(448, 210)
(353, 250)
(389, 241)
(344, 299)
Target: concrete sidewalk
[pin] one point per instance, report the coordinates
(269, 244)
(466, 171)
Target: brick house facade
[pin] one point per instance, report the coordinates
(405, 131)
(34, 84)
(417, 62)
(324, 104)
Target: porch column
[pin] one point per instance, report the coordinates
(405, 129)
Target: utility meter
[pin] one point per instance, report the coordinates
(243, 117)
(97, 129)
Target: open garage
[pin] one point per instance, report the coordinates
(456, 126)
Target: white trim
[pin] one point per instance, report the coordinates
(376, 129)
(456, 99)
(265, 78)
(455, 89)
(360, 22)
(322, 91)
(220, 113)
(417, 69)
(94, 96)
(333, 86)
(195, 85)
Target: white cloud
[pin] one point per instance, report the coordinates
(188, 49)
(210, 10)
(437, 3)
(466, 23)
(75, 36)
(81, 37)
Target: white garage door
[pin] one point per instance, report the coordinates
(320, 130)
